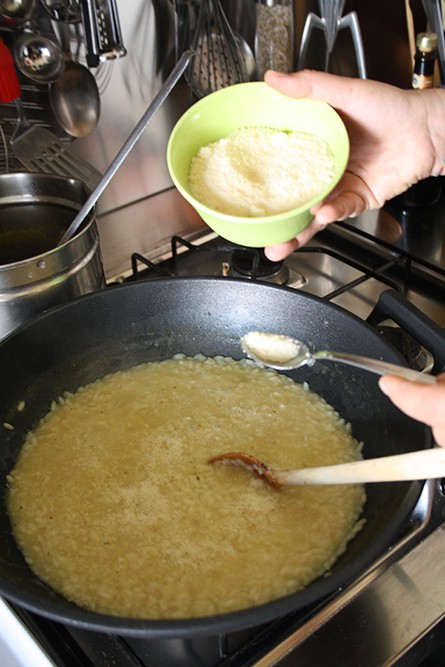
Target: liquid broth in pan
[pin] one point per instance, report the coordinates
(114, 505)
(29, 230)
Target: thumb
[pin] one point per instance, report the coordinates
(308, 83)
(423, 402)
(341, 92)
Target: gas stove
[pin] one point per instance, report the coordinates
(395, 612)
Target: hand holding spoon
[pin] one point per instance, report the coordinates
(284, 353)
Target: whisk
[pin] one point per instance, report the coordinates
(218, 60)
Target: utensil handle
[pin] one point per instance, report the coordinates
(9, 82)
(426, 464)
(88, 13)
(170, 82)
(376, 366)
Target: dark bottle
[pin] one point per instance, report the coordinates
(424, 60)
(427, 191)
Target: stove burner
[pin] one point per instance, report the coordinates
(255, 265)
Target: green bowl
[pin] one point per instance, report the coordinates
(253, 104)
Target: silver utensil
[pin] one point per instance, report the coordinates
(17, 11)
(425, 464)
(38, 149)
(74, 98)
(285, 353)
(169, 84)
(219, 60)
(75, 101)
(38, 57)
(330, 21)
(103, 37)
(67, 11)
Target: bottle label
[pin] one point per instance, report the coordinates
(421, 81)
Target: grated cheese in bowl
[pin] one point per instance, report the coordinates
(259, 171)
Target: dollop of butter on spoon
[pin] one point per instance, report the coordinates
(270, 348)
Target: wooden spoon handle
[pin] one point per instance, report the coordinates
(426, 464)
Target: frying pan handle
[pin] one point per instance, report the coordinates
(391, 305)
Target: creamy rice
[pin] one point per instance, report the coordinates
(113, 503)
(259, 171)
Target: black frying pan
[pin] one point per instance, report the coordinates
(78, 342)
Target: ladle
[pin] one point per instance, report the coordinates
(285, 353)
(74, 97)
(17, 11)
(37, 57)
(427, 464)
(169, 84)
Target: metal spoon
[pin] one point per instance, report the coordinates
(427, 464)
(74, 98)
(284, 353)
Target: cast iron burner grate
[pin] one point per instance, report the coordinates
(248, 264)
(236, 261)
(221, 258)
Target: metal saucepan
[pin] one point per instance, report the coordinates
(36, 273)
(75, 343)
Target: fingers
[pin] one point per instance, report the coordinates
(281, 250)
(423, 402)
(339, 206)
(316, 85)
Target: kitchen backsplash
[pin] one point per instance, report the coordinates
(129, 83)
(135, 197)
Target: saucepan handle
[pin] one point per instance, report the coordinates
(391, 305)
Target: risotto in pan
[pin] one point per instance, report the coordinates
(114, 505)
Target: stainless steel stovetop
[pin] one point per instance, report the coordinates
(395, 612)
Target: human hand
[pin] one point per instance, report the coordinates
(394, 142)
(423, 402)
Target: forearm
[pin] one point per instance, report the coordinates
(434, 101)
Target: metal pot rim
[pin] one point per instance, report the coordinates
(27, 188)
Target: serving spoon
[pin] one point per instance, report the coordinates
(425, 464)
(74, 97)
(285, 353)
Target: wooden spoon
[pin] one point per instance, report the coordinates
(425, 464)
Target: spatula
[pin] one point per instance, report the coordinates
(38, 149)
